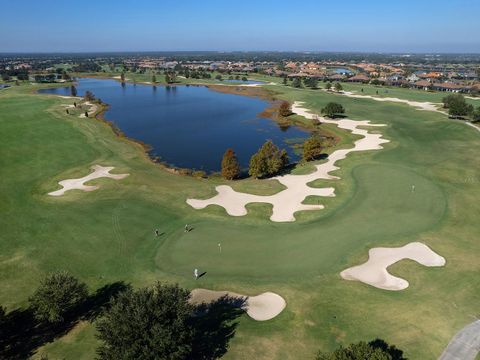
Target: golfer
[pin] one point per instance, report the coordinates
(195, 273)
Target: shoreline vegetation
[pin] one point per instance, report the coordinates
(271, 112)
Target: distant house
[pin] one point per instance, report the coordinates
(423, 84)
(450, 87)
(413, 78)
(359, 78)
(336, 77)
(291, 66)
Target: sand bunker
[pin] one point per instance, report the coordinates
(98, 172)
(92, 109)
(374, 271)
(420, 105)
(262, 307)
(287, 202)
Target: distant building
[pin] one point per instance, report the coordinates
(413, 78)
(423, 84)
(359, 78)
(450, 87)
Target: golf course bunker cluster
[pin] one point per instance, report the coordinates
(374, 271)
(262, 307)
(287, 202)
(79, 184)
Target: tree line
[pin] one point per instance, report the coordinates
(269, 159)
(157, 322)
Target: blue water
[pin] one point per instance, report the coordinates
(188, 126)
(343, 71)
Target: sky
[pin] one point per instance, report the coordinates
(246, 25)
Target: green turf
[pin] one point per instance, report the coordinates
(107, 235)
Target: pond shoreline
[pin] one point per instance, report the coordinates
(252, 92)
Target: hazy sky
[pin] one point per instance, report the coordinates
(299, 25)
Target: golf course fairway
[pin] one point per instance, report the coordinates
(107, 235)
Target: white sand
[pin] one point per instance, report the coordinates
(98, 172)
(262, 307)
(92, 108)
(287, 202)
(119, 77)
(374, 271)
(420, 105)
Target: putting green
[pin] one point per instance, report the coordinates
(107, 235)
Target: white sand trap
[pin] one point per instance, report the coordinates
(98, 172)
(420, 105)
(262, 307)
(287, 202)
(374, 271)
(92, 108)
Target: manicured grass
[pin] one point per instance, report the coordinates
(107, 235)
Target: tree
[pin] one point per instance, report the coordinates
(268, 160)
(333, 109)
(476, 114)
(338, 87)
(149, 323)
(374, 350)
(122, 76)
(244, 78)
(285, 80)
(297, 83)
(457, 106)
(89, 96)
(154, 79)
(219, 77)
(230, 165)
(328, 86)
(57, 294)
(312, 148)
(73, 90)
(312, 82)
(285, 109)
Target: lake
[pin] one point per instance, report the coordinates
(189, 126)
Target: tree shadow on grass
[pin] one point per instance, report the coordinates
(214, 326)
(395, 353)
(21, 334)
